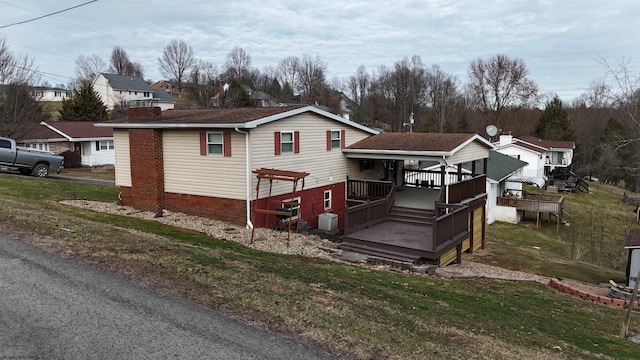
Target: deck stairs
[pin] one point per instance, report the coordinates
(412, 219)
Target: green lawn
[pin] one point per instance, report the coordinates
(353, 311)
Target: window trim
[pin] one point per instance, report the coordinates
(109, 145)
(327, 199)
(226, 143)
(209, 143)
(283, 143)
(297, 208)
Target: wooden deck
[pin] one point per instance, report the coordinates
(409, 230)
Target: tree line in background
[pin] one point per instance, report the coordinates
(407, 96)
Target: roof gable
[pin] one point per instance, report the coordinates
(245, 118)
(547, 144)
(435, 143)
(77, 130)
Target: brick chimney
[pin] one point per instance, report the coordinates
(144, 113)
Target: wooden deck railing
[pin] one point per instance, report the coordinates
(451, 225)
(467, 189)
(429, 178)
(368, 203)
(535, 202)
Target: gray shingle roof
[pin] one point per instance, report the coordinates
(125, 82)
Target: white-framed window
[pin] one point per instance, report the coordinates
(146, 94)
(336, 141)
(215, 143)
(295, 208)
(287, 142)
(104, 145)
(39, 146)
(327, 199)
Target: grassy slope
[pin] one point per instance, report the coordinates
(590, 248)
(351, 310)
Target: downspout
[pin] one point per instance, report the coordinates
(247, 176)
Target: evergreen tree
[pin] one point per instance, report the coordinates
(19, 111)
(554, 122)
(84, 105)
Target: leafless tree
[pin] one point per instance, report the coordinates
(203, 81)
(287, 71)
(88, 67)
(441, 95)
(16, 69)
(624, 88)
(501, 84)
(176, 61)
(404, 90)
(134, 69)
(312, 81)
(238, 65)
(119, 61)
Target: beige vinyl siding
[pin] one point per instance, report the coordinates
(473, 151)
(188, 172)
(324, 167)
(376, 173)
(122, 157)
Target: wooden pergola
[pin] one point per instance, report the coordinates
(287, 210)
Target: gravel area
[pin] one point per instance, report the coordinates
(299, 244)
(264, 239)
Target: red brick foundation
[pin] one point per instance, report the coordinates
(230, 210)
(311, 205)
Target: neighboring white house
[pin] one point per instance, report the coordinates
(542, 156)
(42, 93)
(130, 91)
(94, 145)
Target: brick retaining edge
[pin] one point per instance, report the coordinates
(598, 299)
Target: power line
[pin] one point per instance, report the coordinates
(44, 16)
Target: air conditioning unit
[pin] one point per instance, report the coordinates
(328, 222)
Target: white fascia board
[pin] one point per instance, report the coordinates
(56, 130)
(523, 148)
(172, 126)
(426, 154)
(313, 109)
(93, 139)
(542, 148)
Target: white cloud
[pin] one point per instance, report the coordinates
(559, 40)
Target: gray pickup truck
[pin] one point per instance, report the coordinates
(28, 161)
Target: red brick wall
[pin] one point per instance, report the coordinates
(311, 205)
(147, 170)
(230, 210)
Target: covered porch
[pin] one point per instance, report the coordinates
(416, 215)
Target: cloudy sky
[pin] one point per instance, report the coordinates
(561, 41)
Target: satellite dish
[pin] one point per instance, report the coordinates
(492, 130)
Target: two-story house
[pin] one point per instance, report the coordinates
(44, 93)
(542, 156)
(130, 91)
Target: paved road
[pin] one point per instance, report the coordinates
(53, 308)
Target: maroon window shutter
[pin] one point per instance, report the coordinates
(328, 140)
(203, 143)
(226, 139)
(296, 142)
(343, 140)
(276, 143)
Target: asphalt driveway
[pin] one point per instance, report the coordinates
(54, 308)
